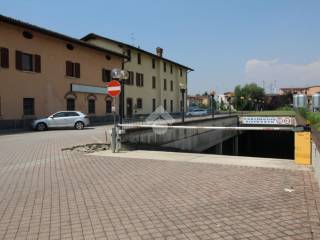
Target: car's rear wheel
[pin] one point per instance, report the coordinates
(41, 126)
(79, 125)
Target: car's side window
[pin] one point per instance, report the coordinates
(59, 115)
(72, 114)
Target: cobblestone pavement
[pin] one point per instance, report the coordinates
(46, 193)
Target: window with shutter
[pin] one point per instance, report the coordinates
(108, 106)
(4, 59)
(91, 106)
(139, 58)
(153, 82)
(28, 106)
(69, 69)
(37, 65)
(153, 63)
(18, 60)
(131, 78)
(139, 103)
(137, 79)
(103, 75)
(27, 62)
(106, 75)
(77, 70)
(129, 54)
(72, 69)
(71, 104)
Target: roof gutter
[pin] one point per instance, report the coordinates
(50, 33)
(95, 36)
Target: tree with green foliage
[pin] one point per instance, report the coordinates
(222, 106)
(248, 97)
(203, 106)
(278, 101)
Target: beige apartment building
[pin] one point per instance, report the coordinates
(42, 72)
(154, 80)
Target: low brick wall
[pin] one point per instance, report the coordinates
(15, 124)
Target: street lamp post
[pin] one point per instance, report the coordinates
(242, 102)
(212, 93)
(255, 104)
(229, 104)
(250, 103)
(182, 90)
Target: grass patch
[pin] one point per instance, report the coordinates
(312, 117)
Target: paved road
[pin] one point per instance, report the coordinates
(46, 193)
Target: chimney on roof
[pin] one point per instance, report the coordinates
(159, 51)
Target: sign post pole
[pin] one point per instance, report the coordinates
(114, 89)
(113, 141)
(114, 112)
(113, 136)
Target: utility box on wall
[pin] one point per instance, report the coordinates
(302, 148)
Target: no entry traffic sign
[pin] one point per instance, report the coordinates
(114, 88)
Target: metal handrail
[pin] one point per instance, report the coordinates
(213, 127)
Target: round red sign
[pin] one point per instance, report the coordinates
(114, 88)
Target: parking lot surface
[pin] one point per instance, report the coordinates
(46, 193)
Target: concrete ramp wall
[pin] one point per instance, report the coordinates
(316, 161)
(315, 154)
(194, 140)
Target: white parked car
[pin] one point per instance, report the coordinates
(62, 119)
(197, 112)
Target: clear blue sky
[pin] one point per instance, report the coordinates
(216, 38)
